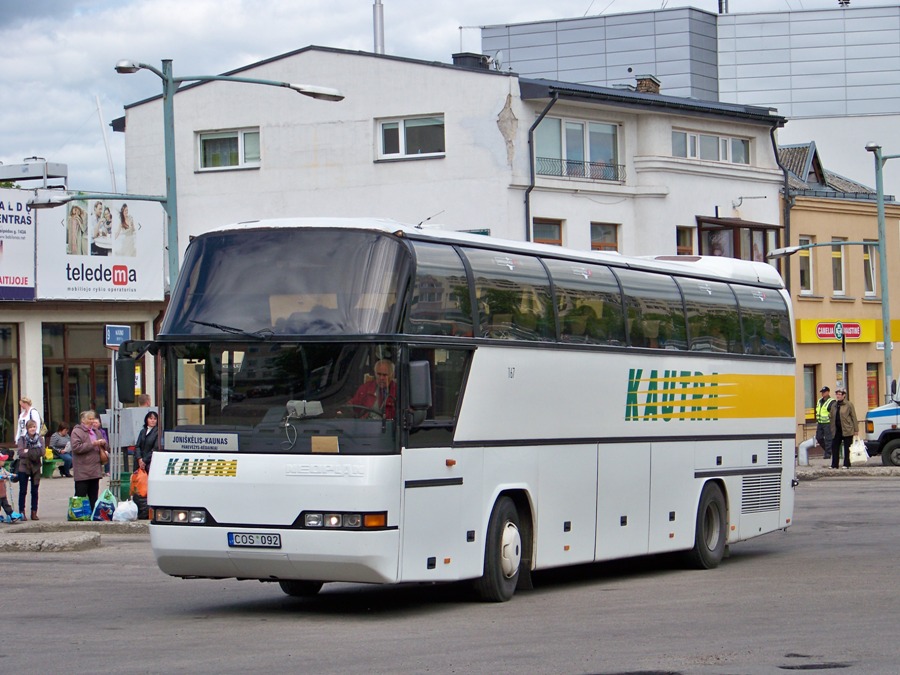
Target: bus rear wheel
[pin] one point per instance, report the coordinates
(502, 555)
(711, 529)
(300, 589)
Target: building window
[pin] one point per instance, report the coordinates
(710, 147)
(76, 370)
(684, 241)
(604, 237)
(809, 392)
(806, 266)
(547, 231)
(412, 137)
(9, 380)
(873, 387)
(869, 253)
(736, 238)
(578, 149)
(229, 149)
(842, 378)
(837, 266)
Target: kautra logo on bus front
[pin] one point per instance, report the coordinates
(118, 275)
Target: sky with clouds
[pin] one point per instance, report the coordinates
(57, 56)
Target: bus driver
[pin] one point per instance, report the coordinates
(379, 395)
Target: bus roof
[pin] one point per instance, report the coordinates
(725, 268)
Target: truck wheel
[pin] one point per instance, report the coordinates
(502, 555)
(300, 589)
(890, 454)
(711, 529)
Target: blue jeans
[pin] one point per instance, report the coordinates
(35, 479)
(66, 468)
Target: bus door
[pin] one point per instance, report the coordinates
(440, 483)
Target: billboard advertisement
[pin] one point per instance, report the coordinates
(101, 249)
(17, 233)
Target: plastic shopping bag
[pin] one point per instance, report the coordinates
(858, 454)
(79, 508)
(105, 506)
(139, 483)
(125, 512)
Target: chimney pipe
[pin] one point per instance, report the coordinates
(378, 26)
(723, 6)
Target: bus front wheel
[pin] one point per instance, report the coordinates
(890, 454)
(502, 555)
(300, 589)
(711, 529)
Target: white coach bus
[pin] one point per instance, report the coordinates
(364, 401)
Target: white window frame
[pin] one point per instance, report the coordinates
(870, 269)
(241, 135)
(838, 275)
(698, 144)
(401, 123)
(806, 258)
(584, 148)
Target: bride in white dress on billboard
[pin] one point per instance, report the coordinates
(123, 241)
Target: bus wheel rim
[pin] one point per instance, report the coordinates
(510, 550)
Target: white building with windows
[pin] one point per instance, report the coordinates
(451, 145)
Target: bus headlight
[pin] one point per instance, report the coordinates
(180, 516)
(333, 520)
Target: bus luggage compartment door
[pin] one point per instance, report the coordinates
(436, 518)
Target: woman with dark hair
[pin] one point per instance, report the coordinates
(62, 449)
(123, 235)
(146, 441)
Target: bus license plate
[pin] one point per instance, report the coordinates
(254, 540)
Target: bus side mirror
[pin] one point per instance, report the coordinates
(125, 378)
(419, 385)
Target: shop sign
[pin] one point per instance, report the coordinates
(835, 330)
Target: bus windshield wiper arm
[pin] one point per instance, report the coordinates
(261, 334)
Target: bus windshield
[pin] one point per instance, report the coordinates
(273, 281)
(286, 397)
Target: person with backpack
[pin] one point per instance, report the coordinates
(27, 412)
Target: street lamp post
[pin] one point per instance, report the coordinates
(170, 87)
(880, 159)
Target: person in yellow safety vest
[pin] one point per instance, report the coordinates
(824, 433)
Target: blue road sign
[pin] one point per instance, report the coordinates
(116, 335)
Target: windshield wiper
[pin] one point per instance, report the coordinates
(261, 334)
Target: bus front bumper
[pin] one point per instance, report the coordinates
(197, 551)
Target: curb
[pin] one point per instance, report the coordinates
(55, 536)
(816, 472)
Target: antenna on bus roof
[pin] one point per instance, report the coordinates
(422, 222)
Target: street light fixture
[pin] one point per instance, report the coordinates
(170, 87)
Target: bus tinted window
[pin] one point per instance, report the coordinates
(589, 302)
(513, 294)
(440, 301)
(712, 316)
(654, 312)
(279, 281)
(765, 322)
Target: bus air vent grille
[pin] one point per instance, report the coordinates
(761, 494)
(774, 454)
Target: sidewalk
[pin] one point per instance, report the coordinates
(53, 532)
(821, 468)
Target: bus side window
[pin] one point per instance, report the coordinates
(655, 312)
(448, 372)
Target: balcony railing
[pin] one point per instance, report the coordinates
(551, 166)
